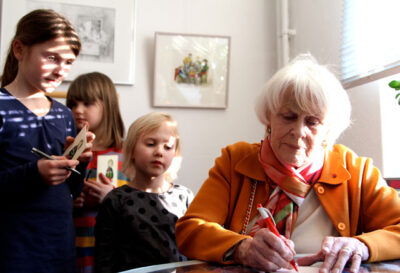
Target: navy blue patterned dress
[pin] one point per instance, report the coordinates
(36, 226)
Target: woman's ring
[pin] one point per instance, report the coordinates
(357, 254)
(347, 249)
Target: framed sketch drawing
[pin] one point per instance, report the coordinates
(106, 29)
(191, 71)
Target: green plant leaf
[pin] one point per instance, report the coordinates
(397, 95)
(395, 84)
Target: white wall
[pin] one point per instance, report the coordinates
(374, 130)
(253, 60)
(364, 136)
(317, 25)
(375, 127)
(390, 129)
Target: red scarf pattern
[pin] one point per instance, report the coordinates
(290, 188)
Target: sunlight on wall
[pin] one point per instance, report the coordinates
(390, 113)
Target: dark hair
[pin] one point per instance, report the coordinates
(37, 27)
(93, 87)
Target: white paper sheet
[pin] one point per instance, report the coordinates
(302, 269)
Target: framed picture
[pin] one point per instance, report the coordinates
(191, 71)
(106, 29)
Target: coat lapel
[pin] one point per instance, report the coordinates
(252, 170)
(331, 188)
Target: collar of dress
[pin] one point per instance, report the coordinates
(334, 171)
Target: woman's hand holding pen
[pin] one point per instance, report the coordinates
(265, 251)
(336, 252)
(53, 172)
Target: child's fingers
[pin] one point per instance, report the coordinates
(92, 184)
(79, 201)
(87, 153)
(63, 162)
(90, 137)
(95, 194)
(68, 141)
(99, 189)
(54, 172)
(104, 179)
(53, 180)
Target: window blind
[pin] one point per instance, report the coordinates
(370, 40)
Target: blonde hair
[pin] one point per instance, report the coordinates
(96, 86)
(142, 126)
(37, 27)
(315, 90)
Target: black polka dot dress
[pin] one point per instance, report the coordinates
(135, 228)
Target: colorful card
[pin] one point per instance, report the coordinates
(78, 146)
(108, 165)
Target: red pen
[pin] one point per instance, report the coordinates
(271, 225)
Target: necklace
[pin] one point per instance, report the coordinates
(250, 206)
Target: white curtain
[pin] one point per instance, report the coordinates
(371, 40)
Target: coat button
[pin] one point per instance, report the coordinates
(320, 190)
(334, 175)
(341, 226)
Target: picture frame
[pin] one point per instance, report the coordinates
(191, 70)
(106, 29)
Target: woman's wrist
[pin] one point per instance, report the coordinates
(240, 250)
(365, 251)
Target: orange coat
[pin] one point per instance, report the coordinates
(350, 189)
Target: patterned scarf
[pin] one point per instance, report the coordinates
(290, 188)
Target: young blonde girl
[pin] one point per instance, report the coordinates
(136, 223)
(36, 226)
(93, 99)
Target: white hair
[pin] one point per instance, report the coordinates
(315, 90)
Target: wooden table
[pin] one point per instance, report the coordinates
(195, 266)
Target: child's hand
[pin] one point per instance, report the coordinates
(87, 153)
(53, 172)
(98, 189)
(78, 202)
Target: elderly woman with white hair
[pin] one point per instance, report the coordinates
(327, 202)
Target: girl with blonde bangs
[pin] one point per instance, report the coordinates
(135, 226)
(144, 125)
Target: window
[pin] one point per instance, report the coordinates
(371, 40)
